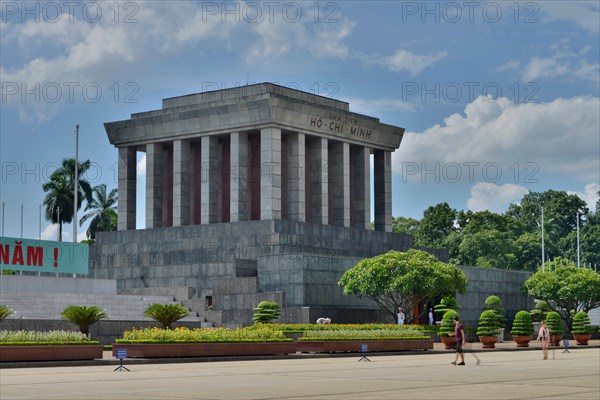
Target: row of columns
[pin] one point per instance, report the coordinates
(299, 178)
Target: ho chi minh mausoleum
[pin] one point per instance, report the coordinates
(253, 193)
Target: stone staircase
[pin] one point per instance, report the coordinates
(44, 298)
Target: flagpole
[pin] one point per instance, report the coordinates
(578, 248)
(76, 183)
(543, 267)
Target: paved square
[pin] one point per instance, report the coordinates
(500, 375)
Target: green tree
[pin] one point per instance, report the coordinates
(102, 210)
(436, 225)
(488, 248)
(402, 279)
(404, 225)
(589, 244)
(166, 314)
(83, 316)
(528, 249)
(60, 190)
(565, 288)
(559, 207)
(266, 312)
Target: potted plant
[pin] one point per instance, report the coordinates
(522, 329)
(582, 328)
(538, 314)
(446, 304)
(446, 331)
(266, 312)
(494, 303)
(488, 329)
(555, 325)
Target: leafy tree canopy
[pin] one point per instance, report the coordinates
(402, 279)
(436, 225)
(565, 288)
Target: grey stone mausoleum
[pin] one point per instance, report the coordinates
(253, 193)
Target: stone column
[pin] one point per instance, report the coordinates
(154, 183)
(318, 180)
(239, 182)
(361, 158)
(383, 190)
(339, 181)
(209, 186)
(295, 175)
(127, 188)
(270, 173)
(182, 161)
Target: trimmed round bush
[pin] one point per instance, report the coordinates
(494, 303)
(489, 325)
(581, 324)
(447, 326)
(554, 323)
(266, 312)
(522, 324)
(540, 310)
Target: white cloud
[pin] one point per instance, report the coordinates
(543, 68)
(141, 166)
(589, 195)
(564, 63)
(50, 232)
(560, 136)
(494, 198)
(379, 106)
(586, 14)
(404, 60)
(509, 65)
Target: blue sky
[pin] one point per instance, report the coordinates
(497, 98)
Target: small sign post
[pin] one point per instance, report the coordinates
(566, 344)
(121, 353)
(364, 348)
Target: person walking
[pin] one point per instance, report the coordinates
(544, 337)
(430, 315)
(459, 333)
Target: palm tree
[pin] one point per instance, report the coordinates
(83, 316)
(103, 212)
(166, 314)
(59, 192)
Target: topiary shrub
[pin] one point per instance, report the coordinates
(489, 325)
(539, 312)
(446, 304)
(554, 323)
(5, 312)
(266, 312)
(447, 325)
(522, 324)
(83, 316)
(582, 324)
(494, 303)
(166, 314)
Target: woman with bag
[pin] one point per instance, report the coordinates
(544, 337)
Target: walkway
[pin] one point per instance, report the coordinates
(422, 376)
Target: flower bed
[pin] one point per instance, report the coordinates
(47, 346)
(263, 339)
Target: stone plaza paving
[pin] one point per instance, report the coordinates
(499, 375)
